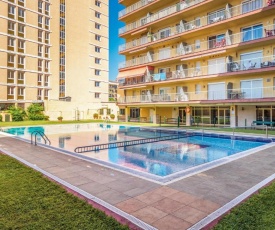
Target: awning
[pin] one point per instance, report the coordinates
(133, 72)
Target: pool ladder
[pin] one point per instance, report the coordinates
(43, 135)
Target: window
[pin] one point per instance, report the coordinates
(164, 53)
(39, 94)
(21, 91)
(11, 91)
(62, 7)
(11, 42)
(21, 28)
(40, 19)
(97, 72)
(164, 33)
(122, 111)
(197, 22)
(97, 84)
(10, 58)
(40, 64)
(11, 26)
(97, 49)
(11, 9)
(251, 5)
(40, 5)
(97, 14)
(40, 35)
(47, 37)
(21, 13)
(216, 66)
(46, 82)
(97, 60)
(47, 49)
(251, 60)
(46, 65)
(197, 89)
(47, 21)
(98, 3)
(20, 76)
(216, 16)
(62, 48)
(97, 26)
(97, 37)
(216, 41)
(39, 79)
(40, 50)
(47, 7)
(252, 32)
(252, 88)
(216, 91)
(62, 34)
(197, 44)
(97, 95)
(46, 93)
(21, 1)
(10, 75)
(21, 44)
(62, 21)
(62, 61)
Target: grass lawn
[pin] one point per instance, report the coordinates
(257, 213)
(30, 201)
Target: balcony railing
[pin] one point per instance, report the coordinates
(229, 66)
(162, 13)
(226, 13)
(210, 95)
(185, 49)
(134, 7)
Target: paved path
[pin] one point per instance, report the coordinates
(178, 205)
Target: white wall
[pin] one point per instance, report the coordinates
(249, 113)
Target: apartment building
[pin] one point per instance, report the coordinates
(113, 90)
(55, 53)
(209, 61)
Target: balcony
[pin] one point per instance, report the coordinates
(158, 15)
(134, 7)
(183, 27)
(210, 96)
(229, 67)
(184, 49)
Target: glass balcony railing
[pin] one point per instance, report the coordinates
(213, 44)
(229, 66)
(134, 7)
(210, 95)
(226, 13)
(158, 15)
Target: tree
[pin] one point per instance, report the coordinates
(35, 112)
(17, 113)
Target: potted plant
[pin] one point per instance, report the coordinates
(95, 115)
(112, 116)
(60, 118)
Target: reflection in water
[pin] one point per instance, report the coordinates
(62, 139)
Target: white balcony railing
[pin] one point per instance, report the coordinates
(224, 94)
(134, 7)
(229, 66)
(160, 14)
(226, 13)
(185, 49)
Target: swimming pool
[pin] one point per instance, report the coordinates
(160, 160)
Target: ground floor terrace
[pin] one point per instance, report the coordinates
(234, 114)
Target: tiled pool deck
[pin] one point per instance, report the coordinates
(178, 205)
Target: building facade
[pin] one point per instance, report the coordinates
(208, 61)
(55, 53)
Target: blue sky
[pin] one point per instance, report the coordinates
(114, 41)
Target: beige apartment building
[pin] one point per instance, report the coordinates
(55, 53)
(208, 61)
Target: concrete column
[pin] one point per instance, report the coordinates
(233, 116)
(188, 111)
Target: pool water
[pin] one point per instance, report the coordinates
(160, 158)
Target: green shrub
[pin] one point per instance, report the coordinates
(1, 117)
(35, 112)
(60, 118)
(17, 113)
(95, 115)
(46, 118)
(112, 116)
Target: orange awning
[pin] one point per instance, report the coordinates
(132, 73)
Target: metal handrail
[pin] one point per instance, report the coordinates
(43, 135)
(98, 147)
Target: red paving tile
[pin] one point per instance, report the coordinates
(205, 205)
(131, 205)
(189, 214)
(171, 223)
(183, 197)
(149, 197)
(167, 205)
(149, 214)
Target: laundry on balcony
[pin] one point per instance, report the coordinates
(270, 2)
(268, 64)
(234, 66)
(217, 19)
(160, 77)
(220, 44)
(269, 33)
